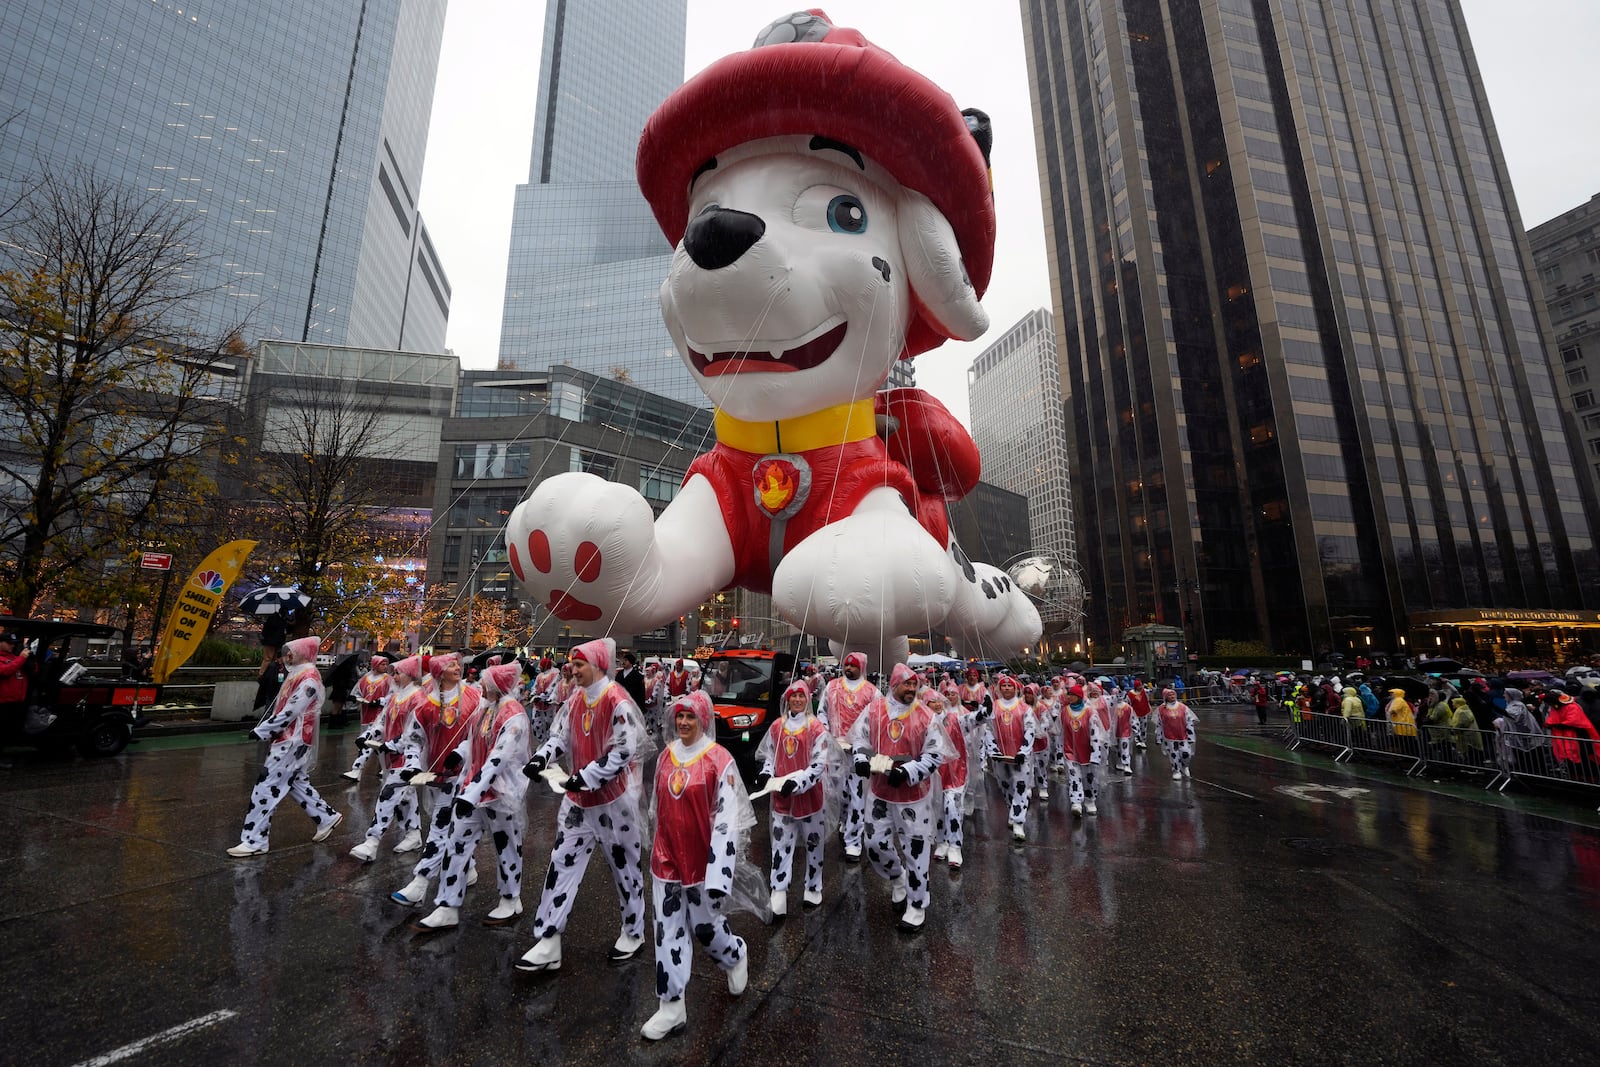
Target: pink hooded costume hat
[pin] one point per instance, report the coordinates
(305, 649)
(857, 658)
(698, 702)
(502, 677)
(600, 654)
(411, 667)
(796, 686)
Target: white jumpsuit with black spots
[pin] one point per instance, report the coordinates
(291, 728)
(692, 861)
(900, 832)
(789, 830)
(841, 707)
(1046, 724)
(958, 727)
(1009, 731)
(613, 825)
(496, 790)
(1174, 720)
(397, 799)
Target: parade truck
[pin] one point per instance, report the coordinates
(745, 686)
(66, 706)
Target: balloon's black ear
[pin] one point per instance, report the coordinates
(982, 132)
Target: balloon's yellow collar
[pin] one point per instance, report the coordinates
(841, 424)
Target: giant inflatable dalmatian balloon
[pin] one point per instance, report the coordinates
(832, 212)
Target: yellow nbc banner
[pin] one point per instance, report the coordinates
(198, 599)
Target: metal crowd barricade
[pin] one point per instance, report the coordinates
(1463, 749)
(1558, 760)
(1504, 757)
(1381, 738)
(1316, 728)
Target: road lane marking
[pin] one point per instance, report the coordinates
(182, 1030)
(1302, 792)
(1225, 789)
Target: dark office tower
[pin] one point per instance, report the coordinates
(1566, 251)
(294, 131)
(1309, 402)
(587, 257)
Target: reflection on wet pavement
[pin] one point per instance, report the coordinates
(1213, 919)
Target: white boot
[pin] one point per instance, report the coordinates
(472, 872)
(940, 851)
(413, 893)
(241, 850)
(913, 919)
(625, 947)
(1077, 809)
(852, 853)
(366, 852)
(898, 890)
(739, 977)
(1017, 832)
(813, 898)
(409, 843)
(1176, 774)
(545, 955)
(955, 858)
(669, 1018)
(780, 902)
(1092, 809)
(1044, 793)
(353, 774)
(1186, 770)
(324, 832)
(505, 911)
(440, 918)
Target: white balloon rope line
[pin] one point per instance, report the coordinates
(827, 515)
(748, 339)
(433, 524)
(533, 480)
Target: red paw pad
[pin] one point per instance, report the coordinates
(539, 551)
(573, 610)
(587, 561)
(516, 561)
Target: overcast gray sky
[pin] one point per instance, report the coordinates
(1540, 60)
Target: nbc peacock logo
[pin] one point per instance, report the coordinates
(210, 581)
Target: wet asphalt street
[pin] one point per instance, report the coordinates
(1272, 910)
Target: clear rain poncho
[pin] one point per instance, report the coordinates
(748, 890)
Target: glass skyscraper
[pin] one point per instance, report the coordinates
(587, 258)
(294, 131)
(1018, 423)
(1308, 398)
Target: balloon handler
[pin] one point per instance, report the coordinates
(291, 727)
(490, 800)
(602, 732)
(898, 743)
(699, 863)
(832, 213)
(796, 750)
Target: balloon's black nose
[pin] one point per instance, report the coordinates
(717, 237)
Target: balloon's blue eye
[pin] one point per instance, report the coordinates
(846, 214)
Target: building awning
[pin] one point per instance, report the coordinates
(1506, 617)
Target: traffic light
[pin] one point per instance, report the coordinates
(735, 623)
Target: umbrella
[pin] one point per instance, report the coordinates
(271, 599)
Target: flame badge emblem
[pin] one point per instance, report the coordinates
(677, 782)
(588, 719)
(789, 744)
(897, 730)
(781, 483)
